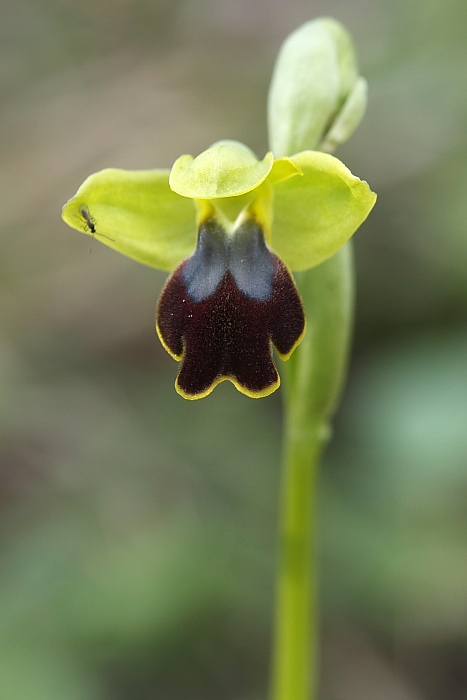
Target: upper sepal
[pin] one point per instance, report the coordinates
(226, 169)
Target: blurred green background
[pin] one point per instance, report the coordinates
(138, 530)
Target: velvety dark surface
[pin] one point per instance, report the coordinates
(228, 334)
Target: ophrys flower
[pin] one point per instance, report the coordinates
(230, 227)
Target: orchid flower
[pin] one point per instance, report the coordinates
(231, 227)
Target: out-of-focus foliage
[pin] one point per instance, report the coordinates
(137, 531)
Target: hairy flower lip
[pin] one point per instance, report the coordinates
(223, 307)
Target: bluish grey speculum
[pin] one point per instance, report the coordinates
(244, 254)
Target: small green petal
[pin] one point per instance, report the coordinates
(314, 215)
(283, 169)
(137, 214)
(226, 169)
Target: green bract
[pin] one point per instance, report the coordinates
(309, 204)
(316, 98)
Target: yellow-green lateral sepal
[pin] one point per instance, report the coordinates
(137, 214)
(226, 169)
(314, 215)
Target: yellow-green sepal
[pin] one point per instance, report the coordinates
(135, 213)
(226, 169)
(315, 214)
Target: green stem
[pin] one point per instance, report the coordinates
(296, 615)
(312, 388)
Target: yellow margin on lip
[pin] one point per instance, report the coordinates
(165, 346)
(252, 394)
(295, 345)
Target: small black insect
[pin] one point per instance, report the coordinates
(84, 211)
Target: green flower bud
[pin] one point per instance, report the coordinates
(316, 98)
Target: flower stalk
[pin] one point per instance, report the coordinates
(312, 385)
(319, 110)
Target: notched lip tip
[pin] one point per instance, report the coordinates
(262, 393)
